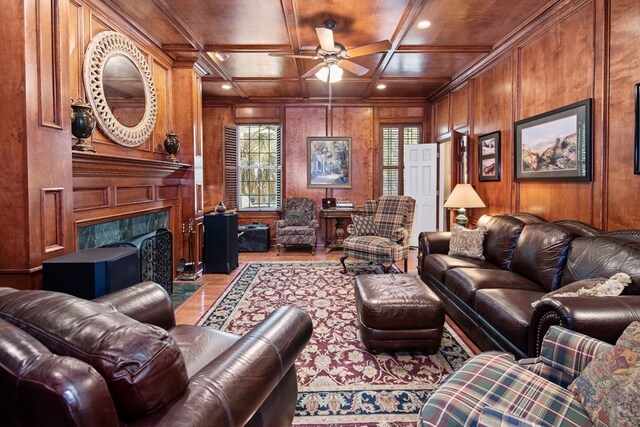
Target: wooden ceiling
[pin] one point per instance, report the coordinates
(418, 64)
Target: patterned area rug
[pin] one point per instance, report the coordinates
(340, 383)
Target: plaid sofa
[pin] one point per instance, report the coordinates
(393, 219)
(492, 389)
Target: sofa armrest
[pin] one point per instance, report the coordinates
(278, 223)
(231, 388)
(432, 242)
(146, 302)
(603, 318)
(314, 224)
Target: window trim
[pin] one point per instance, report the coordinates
(400, 167)
(279, 168)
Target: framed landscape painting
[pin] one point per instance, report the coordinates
(489, 157)
(555, 146)
(329, 162)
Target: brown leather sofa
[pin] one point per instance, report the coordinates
(526, 258)
(121, 360)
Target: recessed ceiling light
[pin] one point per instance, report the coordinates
(226, 86)
(424, 24)
(381, 86)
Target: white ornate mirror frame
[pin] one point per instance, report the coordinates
(103, 46)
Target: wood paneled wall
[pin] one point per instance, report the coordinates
(579, 49)
(360, 122)
(51, 191)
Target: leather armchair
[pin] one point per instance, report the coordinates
(121, 360)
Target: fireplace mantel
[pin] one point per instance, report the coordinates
(96, 165)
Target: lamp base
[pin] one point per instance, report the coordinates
(461, 218)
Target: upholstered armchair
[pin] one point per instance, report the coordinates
(298, 224)
(382, 234)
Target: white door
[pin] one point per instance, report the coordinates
(420, 182)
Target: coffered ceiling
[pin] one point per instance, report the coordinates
(244, 32)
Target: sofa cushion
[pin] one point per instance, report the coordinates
(465, 282)
(541, 254)
(608, 385)
(590, 257)
(438, 264)
(141, 363)
(508, 311)
(500, 242)
(495, 379)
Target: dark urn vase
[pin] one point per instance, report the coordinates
(172, 145)
(221, 208)
(83, 123)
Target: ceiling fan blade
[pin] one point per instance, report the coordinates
(291, 55)
(354, 68)
(369, 49)
(325, 36)
(312, 71)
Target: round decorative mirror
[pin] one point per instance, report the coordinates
(120, 88)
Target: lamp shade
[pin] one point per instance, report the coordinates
(332, 72)
(464, 196)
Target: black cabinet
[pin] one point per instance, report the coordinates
(220, 243)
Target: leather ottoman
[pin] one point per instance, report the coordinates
(398, 312)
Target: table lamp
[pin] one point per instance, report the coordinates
(462, 197)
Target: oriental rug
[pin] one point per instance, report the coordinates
(340, 383)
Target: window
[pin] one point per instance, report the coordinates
(257, 172)
(394, 138)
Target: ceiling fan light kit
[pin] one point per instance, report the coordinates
(335, 57)
(331, 73)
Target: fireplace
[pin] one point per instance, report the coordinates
(148, 233)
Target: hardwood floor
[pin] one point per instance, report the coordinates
(196, 306)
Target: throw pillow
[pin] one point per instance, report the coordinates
(294, 218)
(364, 225)
(592, 288)
(466, 242)
(608, 386)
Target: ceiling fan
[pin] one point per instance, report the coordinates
(335, 57)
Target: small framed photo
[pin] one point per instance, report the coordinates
(555, 146)
(329, 162)
(489, 157)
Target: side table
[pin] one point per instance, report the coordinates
(339, 215)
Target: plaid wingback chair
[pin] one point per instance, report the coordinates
(382, 234)
(298, 224)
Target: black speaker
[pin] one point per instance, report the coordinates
(91, 273)
(220, 251)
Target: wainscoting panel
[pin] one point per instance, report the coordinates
(167, 192)
(48, 48)
(135, 194)
(51, 217)
(90, 198)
